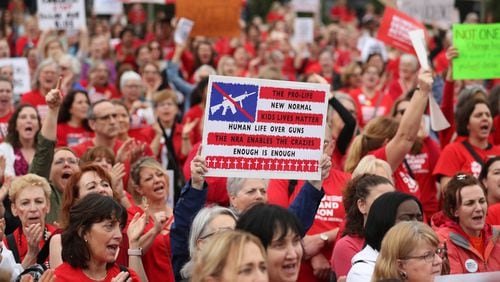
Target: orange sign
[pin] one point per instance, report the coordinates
(211, 17)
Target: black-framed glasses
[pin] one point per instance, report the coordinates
(427, 257)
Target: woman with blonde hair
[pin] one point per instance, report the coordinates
(30, 196)
(371, 165)
(231, 256)
(409, 252)
(151, 188)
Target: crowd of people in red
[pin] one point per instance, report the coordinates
(103, 177)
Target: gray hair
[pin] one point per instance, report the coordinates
(235, 184)
(198, 229)
(42, 65)
(129, 75)
(411, 59)
(74, 63)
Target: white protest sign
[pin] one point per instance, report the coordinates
(417, 38)
(182, 31)
(308, 6)
(438, 120)
(303, 30)
(429, 11)
(108, 7)
(61, 14)
(21, 73)
(470, 277)
(259, 128)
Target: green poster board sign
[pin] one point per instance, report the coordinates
(479, 51)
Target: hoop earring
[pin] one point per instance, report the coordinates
(404, 275)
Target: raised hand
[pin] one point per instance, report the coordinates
(33, 235)
(136, 229)
(198, 170)
(425, 81)
(54, 97)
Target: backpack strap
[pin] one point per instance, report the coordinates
(11, 244)
(473, 153)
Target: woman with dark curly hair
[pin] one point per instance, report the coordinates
(72, 123)
(18, 149)
(358, 197)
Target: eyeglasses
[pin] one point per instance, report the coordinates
(427, 257)
(107, 117)
(220, 230)
(71, 161)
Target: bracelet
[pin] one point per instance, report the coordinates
(135, 252)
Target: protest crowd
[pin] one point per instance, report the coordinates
(104, 172)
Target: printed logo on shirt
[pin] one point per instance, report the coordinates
(327, 207)
(418, 162)
(475, 168)
(412, 184)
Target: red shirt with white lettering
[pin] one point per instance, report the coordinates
(330, 212)
(456, 158)
(68, 135)
(37, 100)
(422, 165)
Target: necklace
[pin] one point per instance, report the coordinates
(95, 279)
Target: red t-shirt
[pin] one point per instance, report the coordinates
(21, 43)
(402, 180)
(37, 100)
(343, 14)
(493, 216)
(4, 124)
(456, 158)
(65, 272)
(345, 248)
(496, 133)
(366, 107)
(81, 148)
(68, 136)
(422, 165)
(97, 93)
(157, 259)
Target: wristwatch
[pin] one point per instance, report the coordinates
(324, 237)
(135, 252)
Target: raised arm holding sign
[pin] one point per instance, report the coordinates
(264, 129)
